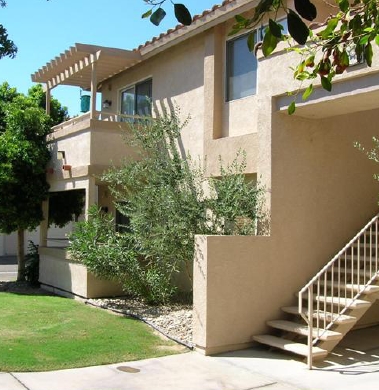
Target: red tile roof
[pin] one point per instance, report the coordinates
(180, 26)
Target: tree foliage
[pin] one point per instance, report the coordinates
(58, 113)
(7, 46)
(23, 158)
(345, 37)
(36, 98)
(164, 197)
(64, 205)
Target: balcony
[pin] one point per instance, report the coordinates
(88, 146)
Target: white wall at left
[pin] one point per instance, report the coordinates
(8, 242)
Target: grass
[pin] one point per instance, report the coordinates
(42, 333)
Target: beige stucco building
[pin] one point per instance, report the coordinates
(320, 189)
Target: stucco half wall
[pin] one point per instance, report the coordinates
(230, 298)
(63, 276)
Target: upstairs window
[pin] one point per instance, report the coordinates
(241, 69)
(136, 100)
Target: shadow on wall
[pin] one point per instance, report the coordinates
(170, 107)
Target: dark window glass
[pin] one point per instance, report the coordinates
(136, 100)
(143, 98)
(241, 69)
(122, 222)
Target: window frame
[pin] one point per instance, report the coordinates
(135, 101)
(244, 35)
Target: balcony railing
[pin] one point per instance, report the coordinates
(100, 116)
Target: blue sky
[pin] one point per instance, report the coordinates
(43, 29)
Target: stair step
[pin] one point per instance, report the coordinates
(303, 330)
(365, 248)
(366, 274)
(337, 319)
(352, 303)
(368, 259)
(370, 289)
(291, 346)
(372, 233)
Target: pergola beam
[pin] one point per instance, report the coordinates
(65, 68)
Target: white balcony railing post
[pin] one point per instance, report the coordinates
(310, 326)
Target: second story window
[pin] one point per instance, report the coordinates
(136, 100)
(241, 69)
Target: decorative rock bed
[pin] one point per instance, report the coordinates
(173, 320)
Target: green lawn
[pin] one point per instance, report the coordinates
(39, 333)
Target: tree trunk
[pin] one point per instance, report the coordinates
(20, 255)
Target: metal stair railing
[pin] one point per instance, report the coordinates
(355, 264)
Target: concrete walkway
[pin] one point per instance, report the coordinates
(353, 366)
(8, 268)
(189, 371)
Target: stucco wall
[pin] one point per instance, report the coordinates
(67, 276)
(178, 78)
(322, 193)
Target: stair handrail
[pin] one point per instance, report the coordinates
(308, 317)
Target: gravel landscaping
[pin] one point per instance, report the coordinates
(174, 320)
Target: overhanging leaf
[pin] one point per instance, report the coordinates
(262, 7)
(157, 16)
(297, 28)
(368, 54)
(147, 14)
(291, 108)
(344, 5)
(269, 43)
(251, 42)
(308, 92)
(275, 28)
(326, 84)
(344, 59)
(330, 27)
(182, 14)
(240, 19)
(306, 9)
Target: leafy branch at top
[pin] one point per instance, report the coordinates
(157, 13)
(345, 39)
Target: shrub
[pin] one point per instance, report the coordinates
(32, 264)
(162, 195)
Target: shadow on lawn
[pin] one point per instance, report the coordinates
(22, 288)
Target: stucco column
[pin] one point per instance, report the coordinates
(214, 84)
(44, 225)
(93, 88)
(91, 194)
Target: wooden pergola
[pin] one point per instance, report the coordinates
(85, 66)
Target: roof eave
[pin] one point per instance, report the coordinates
(200, 24)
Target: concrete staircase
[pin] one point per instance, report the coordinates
(332, 302)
